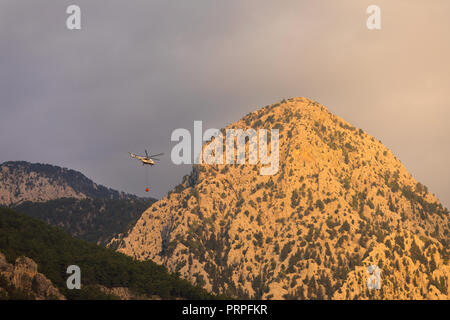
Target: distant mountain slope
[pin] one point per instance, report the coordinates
(53, 250)
(23, 181)
(68, 199)
(94, 220)
(340, 202)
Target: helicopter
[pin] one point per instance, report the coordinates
(146, 160)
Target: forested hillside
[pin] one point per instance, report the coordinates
(54, 250)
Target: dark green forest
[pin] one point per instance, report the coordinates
(54, 250)
(95, 220)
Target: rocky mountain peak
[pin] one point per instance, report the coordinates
(340, 202)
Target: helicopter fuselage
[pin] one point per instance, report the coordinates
(144, 160)
(150, 162)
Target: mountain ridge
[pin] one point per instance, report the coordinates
(22, 181)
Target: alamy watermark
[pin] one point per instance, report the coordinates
(227, 147)
(374, 279)
(74, 280)
(374, 20)
(73, 20)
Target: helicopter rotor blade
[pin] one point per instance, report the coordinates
(156, 155)
(146, 153)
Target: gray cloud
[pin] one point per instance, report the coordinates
(139, 69)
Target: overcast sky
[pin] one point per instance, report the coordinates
(140, 69)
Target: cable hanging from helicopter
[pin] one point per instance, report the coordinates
(146, 160)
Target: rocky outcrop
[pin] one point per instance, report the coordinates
(24, 277)
(126, 294)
